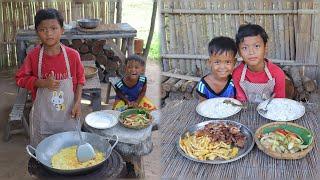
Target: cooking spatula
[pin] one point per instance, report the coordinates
(85, 151)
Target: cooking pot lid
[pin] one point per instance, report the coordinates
(102, 119)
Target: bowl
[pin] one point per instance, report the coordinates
(128, 112)
(88, 23)
(90, 71)
(306, 135)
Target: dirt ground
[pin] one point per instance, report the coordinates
(13, 156)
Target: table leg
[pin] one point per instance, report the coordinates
(124, 46)
(96, 101)
(130, 46)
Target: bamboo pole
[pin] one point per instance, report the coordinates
(165, 62)
(291, 32)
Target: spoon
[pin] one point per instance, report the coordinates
(85, 151)
(264, 110)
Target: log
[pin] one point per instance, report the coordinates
(164, 78)
(116, 50)
(108, 52)
(65, 42)
(164, 94)
(191, 86)
(89, 42)
(290, 89)
(84, 49)
(295, 75)
(315, 97)
(97, 49)
(308, 84)
(102, 59)
(188, 96)
(177, 85)
(112, 66)
(176, 95)
(76, 43)
(170, 82)
(184, 86)
(88, 57)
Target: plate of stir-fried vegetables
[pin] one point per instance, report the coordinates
(135, 118)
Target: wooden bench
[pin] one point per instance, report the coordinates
(17, 115)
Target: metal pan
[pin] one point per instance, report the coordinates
(53, 144)
(242, 151)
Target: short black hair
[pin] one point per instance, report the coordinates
(135, 57)
(49, 13)
(221, 44)
(246, 30)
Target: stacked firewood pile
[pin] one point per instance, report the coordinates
(299, 86)
(176, 89)
(108, 57)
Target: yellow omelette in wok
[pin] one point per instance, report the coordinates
(67, 159)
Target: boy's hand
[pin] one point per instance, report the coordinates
(76, 110)
(52, 83)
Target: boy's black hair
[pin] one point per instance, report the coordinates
(246, 30)
(221, 44)
(135, 57)
(50, 13)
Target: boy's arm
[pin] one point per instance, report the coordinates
(142, 93)
(240, 95)
(280, 84)
(200, 92)
(76, 110)
(25, 76)
(121, 96)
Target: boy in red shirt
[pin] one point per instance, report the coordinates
(55, 76)
(257, 78)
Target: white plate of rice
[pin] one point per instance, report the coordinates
(282, 109)
(215, 108)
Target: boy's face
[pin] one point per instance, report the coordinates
(134, 69)
(49, 32)
(252, 50)
(222, 65)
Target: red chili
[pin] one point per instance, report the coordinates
(282, 131)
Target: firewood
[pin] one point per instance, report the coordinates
(102, 59)
(164, 94)
(89, 42)
(177, 85)
(116, 50)
(65, 42)
(164, 78)
(84, 49)
(188, 96)
(308, 84)
(295, 75)
(303, 96)
(184, 86)
(176, 95)
(112, 66)
(88, 57)
(76, 43)
(315, 97)
(290, 89)
(97, 49)
(191, 86)
(170, 82)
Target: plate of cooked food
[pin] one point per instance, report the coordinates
(135, 118)
(281, 109)
(216, 142)
(284, 140)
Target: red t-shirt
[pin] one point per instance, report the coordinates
(260, 77)
(27, 75)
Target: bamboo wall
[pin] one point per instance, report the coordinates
(188, 25)
(19, 14)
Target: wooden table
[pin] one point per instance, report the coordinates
(180, 115)
(105, 31)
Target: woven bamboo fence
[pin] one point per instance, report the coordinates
(188, 25)
(19, 14)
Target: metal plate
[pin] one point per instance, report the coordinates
(242, 151)
(282, 109)
(102, 119)
(215, 108)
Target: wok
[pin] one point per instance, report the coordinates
(53, 144)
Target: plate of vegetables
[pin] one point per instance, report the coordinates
(135, 118)
(282, 140)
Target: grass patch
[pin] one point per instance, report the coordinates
(154, 52)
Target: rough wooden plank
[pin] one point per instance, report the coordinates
(179, 76)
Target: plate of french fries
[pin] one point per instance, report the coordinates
(216, 142)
